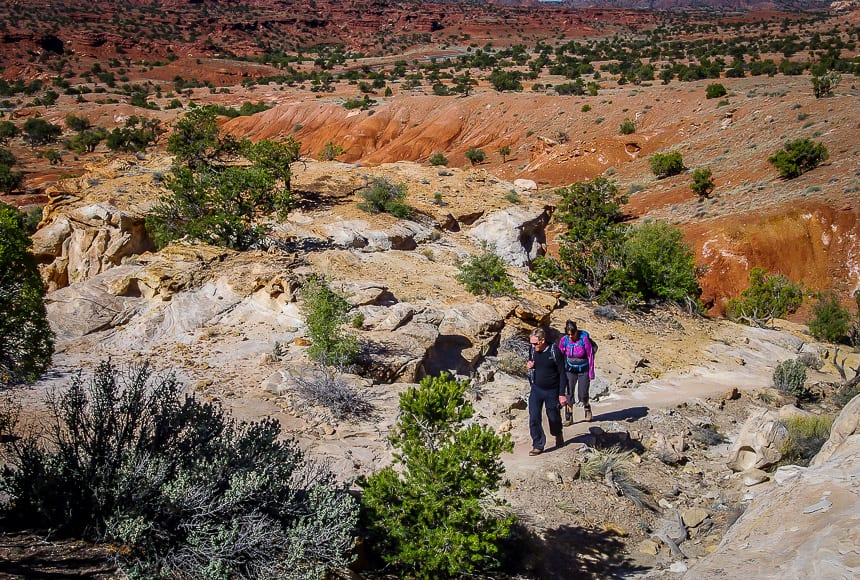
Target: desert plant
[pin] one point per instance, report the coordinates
(185, 490)
(831, 321)
(806, 435)
(504, 151)
(790, 376)
(330, 151)
(325, 386)
(627, 127)
(428, 515)
(486, 274)
(703, 183)
(76, 123)
(768, 296)
(38, 131)
(666, 164)
(8, 130)
(612, 467)
(475, 156)
(325, 312)
(589, 250)
(10, 179)
(715, 91)
(26, 340)
(437, 159)
(380, 195)
(657, 265)
(825, 83)
(797, 157)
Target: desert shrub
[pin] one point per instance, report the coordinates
(325, 312)
(475, 156)
(504, 151)
(806, 435)
(486, 274)
(627, 127)
(76, 123)
(26, 340)
(433, 513)
(382, 196)
(715, 91)
(666, 164)
(831, 321)
(703, 183)
(327, 387)
(797, 157)
(330, 151)
(8, 130)
(10, 179)
(768, 296)
(38, 131)
(590, 248)
(790, 376)
(657, 265)
(182, 489)
(825, 83)
(613, 466)
(438, 159)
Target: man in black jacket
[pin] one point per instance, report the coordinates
(547, 381)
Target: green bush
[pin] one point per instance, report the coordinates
(325, 313)
(38, 131)
(437, 159)
(8, 130)
(797, 157)
(715, 91)
(382, 196)
(330, 151)
(26, 340)
(806, 435)
(627, 127)
(666, 165)
(430, 514)
(831, 321)
(658, 265)
(182, 489)
(486, 274)
(475, 156)
(768, 296)
(824, 84)
(10, 180)
(703, 183)
(790, 376)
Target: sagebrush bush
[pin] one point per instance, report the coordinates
(438, 159)
(181, 489)
(433, 514)
(326, 387)
(790, 376)
(382, 196)
(486, 274)
(666, 164)
(797, 157)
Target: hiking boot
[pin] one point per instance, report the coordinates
(559, 440)
(568, 421)
(588, 415)
(535, 451)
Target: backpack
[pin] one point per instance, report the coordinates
(579, 367)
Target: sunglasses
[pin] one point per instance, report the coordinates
(535, 343)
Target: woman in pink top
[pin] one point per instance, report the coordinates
(579, 367)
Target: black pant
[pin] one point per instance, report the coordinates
(539, 398)
(582, 384)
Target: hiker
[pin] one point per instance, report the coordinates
(547, 381)
(577, 348)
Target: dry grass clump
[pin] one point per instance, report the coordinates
(612, 466)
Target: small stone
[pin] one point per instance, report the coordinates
(678, 568)
(754, 477)
(574, 474)
(553, 477)
(665, 503)
(328, 430)
(787, 472)
(505, 427)
(648, 547)
(732, 394)
(694, 516)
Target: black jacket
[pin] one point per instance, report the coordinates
(548, 372)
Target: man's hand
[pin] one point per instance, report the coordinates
(530, 364)
(562, 400)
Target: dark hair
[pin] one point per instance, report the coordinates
(570, 326)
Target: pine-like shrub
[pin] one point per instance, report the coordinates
(486, 274)
(433, 513)
(325, 313)
(382, 196)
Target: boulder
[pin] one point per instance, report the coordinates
(760, 442)
(517, 233)
(525, 184)
(808, 526)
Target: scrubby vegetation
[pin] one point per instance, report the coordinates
(831, 321)
(797, 157)
(382, 196)
(433, 514)
(703, 183)
(181, 489)
(26, 340)
(768, 296)
(666, 164)
(325, 313)
(486, 274)
(806, 435)
(790, 376)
